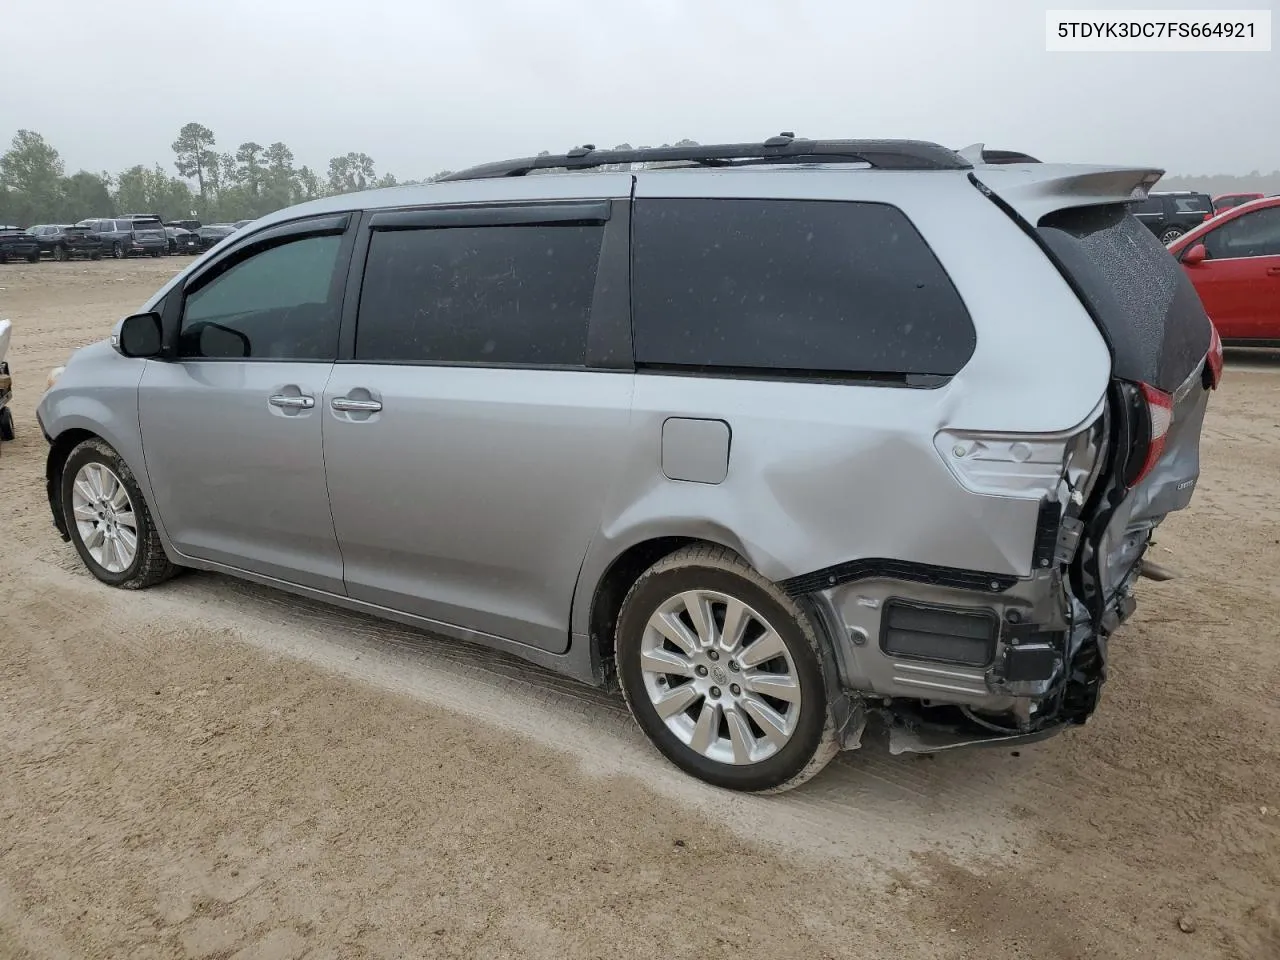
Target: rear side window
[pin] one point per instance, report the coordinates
(482, 295)
(1151, 205)
(1140, 296)
(821, 288)
(1193, 204)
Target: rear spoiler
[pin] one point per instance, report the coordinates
(1035, 191)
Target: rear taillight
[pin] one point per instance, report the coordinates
(1159, 418)
(1213, 359)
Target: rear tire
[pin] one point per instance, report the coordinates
(109, 522)
(60, 254)
(117, 251)
(745, 709)
(7, 431)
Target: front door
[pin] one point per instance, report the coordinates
(469, 445)
(231, 423)
(1239, 279)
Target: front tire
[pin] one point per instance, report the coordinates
(33, 257)
(117, 251)
(60, 254)
(108, 520)
(724, 673)
(7, 431)
(1170, 234)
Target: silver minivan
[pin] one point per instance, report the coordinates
(774, 437)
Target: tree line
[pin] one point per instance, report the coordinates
(214, 186)
(211, 185)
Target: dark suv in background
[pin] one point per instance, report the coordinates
(17, 244)
(122, 236)
(62, 242)
(1170, 215)
(214, 233)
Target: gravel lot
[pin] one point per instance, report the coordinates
(211, 770)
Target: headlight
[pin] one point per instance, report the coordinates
(54, 374)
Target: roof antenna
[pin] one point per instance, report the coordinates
(973, 152)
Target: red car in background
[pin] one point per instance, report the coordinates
(1233, 261)
(1229, 200)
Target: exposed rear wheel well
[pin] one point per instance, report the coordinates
(612, 590)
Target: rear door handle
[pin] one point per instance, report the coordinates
(355, 406)
(292, 403)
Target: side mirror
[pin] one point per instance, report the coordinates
(1195, 254)
(222, 342)
(140, 335)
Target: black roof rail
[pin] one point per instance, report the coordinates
(784, 148)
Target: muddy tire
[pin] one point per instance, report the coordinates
(109, 522)
(724, 673)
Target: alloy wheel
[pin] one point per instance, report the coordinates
(104, 517)
(720, 677)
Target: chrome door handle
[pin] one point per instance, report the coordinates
(356, 406)
(294, 403)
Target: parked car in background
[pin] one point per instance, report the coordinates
(123, 237)
(64, 242)
(191, 225)
(763, 515)
(1229, 200)
(1171, 214)
(182, 241)
(17, 244)
(1234, 263)
(213, 234)
(240, 224)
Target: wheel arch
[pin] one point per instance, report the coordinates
(611, 568)
(72, 430)
(60, 448)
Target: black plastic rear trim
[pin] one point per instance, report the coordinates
(877, 568)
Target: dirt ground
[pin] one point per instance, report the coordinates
(209, 769)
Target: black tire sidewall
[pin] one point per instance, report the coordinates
(94, 453)
(768, 774)
(7, 429)
(117, 251)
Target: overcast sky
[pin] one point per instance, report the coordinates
(422, 86)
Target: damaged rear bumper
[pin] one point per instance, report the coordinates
(944, 666)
